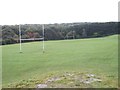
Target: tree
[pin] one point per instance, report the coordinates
(84, 34)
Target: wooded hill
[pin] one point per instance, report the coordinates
(10, 33)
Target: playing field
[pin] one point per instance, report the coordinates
(97, 56)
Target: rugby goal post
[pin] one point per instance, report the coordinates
(30, 39)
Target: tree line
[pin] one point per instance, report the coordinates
(10, 33)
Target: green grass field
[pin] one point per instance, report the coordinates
(98, 56)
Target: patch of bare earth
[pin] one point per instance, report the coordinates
(73, 80)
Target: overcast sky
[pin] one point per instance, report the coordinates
(57, 11)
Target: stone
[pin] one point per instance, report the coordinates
(41, 85)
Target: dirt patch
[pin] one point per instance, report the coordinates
(68, 79)
(41, 86)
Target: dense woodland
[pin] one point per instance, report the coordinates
(10, 33)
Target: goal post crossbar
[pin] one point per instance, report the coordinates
(30, 39)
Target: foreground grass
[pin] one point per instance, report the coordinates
(98, 56)
(0, 67)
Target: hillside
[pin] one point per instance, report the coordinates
(10, 33)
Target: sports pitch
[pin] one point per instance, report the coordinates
(98, 56)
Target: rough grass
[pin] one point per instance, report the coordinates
(98, 56)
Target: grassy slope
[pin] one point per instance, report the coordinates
(98, 56)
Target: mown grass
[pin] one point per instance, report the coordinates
(96, 55)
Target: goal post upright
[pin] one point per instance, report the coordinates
(43, 38)
(20, 38)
